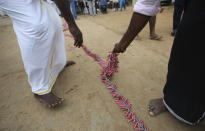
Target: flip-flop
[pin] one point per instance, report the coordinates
(156, 37)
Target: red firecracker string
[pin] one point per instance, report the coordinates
(108, 69)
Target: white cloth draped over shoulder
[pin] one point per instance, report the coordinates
(147, 7)
(38, 28)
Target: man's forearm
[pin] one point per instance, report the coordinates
(137, 23)
(64, 8)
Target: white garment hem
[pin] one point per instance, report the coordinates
(144, 12)
(181, 119)
(48, 89)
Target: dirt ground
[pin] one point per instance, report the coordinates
(89, 105)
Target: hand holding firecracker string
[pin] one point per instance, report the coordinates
(109, 68)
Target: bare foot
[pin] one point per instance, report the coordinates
(69, 63)
(49, 100)
(155, 37)
(156, 106)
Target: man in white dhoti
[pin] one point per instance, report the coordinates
(143, 11)
(39, 32)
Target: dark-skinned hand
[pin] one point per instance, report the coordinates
(78, 37)
(119, 48)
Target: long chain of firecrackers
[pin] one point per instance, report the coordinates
(108, 69)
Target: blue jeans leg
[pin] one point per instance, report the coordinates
(122, 3)
(72, 7)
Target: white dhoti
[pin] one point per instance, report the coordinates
(147, 7)
(39, 32)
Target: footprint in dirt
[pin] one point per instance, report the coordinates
(73, 89)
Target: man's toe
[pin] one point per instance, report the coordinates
(151, 107)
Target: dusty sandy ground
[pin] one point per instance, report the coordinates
(89, 105)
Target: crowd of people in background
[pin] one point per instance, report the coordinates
(93, 6)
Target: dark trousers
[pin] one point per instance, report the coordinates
(116, 5)
(184, 88)
(178, 10)
(103, 8)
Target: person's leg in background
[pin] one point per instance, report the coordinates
(114, 6)
(96, 7)
(121, 3)
(178, 9)
(152, 23)
(101, 8)
(124, 4)
(90, 7)
(72, 6)
(105, 8)
(93, 6)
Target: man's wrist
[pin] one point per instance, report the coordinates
(71, 23)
